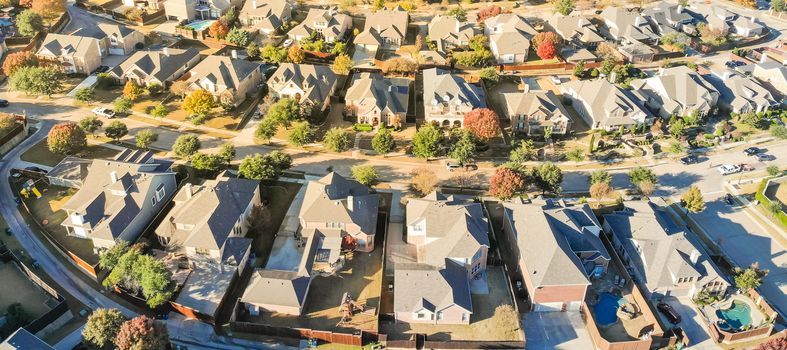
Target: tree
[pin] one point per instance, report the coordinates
(548, 177)
(423, 180)
(37, 80)
(575, 155)
(600, 190)
(268, 166)
(457, 12)
(102, 326)
(640, 174)
(273, 54)
(154, 88)
(29, 23)
(676, 127)
(144, 138)
(132, 91)
(773, 207)
(253, 51)
(564, 7)
(546, 36)
(579, 69)
(266, 129)
(142, 333)
(295, 54)
(48, 8)
(505, 183)
(483, 123)
(199, 102)
(342, 64)
(378, 4)
(773, 170)
(711, 36)
(488, 12)
(692, 200)
(426, 142)
(463, 146)
(365, 174)
(383, 141)
(646, 187)
(546, 50)
(778, 131)
(776, 343)
(160, 111)
(121, 105)
(339, 48)
(109, 258)
(85, 95)
(749, 278)
(186, 145)
(524, 151)
(301, 134)
(227, 152)
(66, 138)
(218, 30)
(238, 37)
(779, 5)
(18, 60)
(207, 163)
(600, 176)
(337, 140)
(284, 111)
(115, 130)
(399, 65)
(90, 124)
(7, 122)
(180, 88)
(489, 74)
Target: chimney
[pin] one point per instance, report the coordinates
(234, 53)
(763, 57)
(165, 51)
(680, 8)
(189, 190)
(350, 203)
(113, 176)
(254, 4)
(695, 255)
(638, 21)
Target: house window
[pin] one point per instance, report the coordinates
(420, 316)
(464, 317)
(160, 192)
(475, 269)
(153, 200)
(202, 251)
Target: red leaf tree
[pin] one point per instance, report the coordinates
(545, 36)
(483, 123)
(773, 344)
(505, 183)
(218, 30)
(488, 12)
(546, 50)
(141, 333)
(66, 138)
(18, 60)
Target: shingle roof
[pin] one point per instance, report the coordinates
(336, 23)
(509, 33)
(530, 102)
(223, 71)
(385, 24)
(449, 30)
(334, 198)
(575, 26)
(317, 81)
(440, 84)
(607, 103)
(679, 89)
(437, 288)
(272, 12)
(371, 91)
(158, 64)
(628, 23)
(739, 91)
(274, 287)
(69, 45)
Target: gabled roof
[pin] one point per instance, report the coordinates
(627, 23)
(535, 101)
(272, 11)
(69, 45)
(549, 237)
(21, 339)
(444, 87)
(157, 64)
(385, 24)
(665, 15)
(318, 82)
(437, 288)
(336, 22)
(275, 287)
(771, 71)
(223, 71)
(449, 30)
(336, 199)
(372, 92)
(575, 26)
(607, 103)
(679, 88)
(739, 91)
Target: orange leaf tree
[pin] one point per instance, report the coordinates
(66, 138)
(483, 123)
(218, 30)
(546, 50)
(505, 183)
(17, 60)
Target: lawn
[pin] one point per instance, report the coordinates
(17, 288)
(40, 154)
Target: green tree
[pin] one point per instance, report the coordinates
(564, 7)
(600, 176)
(579, 69)
(284, 111)
(7, 122)
(155, 88)
(109, 258)
(778, 131)
(426, 142)
(463, 146)
(29, 23)
(773, 170)
(116, 130)
(121, 105)
(675, 147)
(524, 151)
(144, 138)
(692, 200)
(779, 5)
(773, 207)
(383, 141)
(273, 54)
(132, 91)
(749, 278)
(199, 102)
(160, 111)
(268, 166)
(458, 12)
(592, 144)
(640, 174)
(266, 129)
(85, 95)
(207, 164)
(90, 124)
(253, 51)
(227, 152)
(142, 333)
(238, 37)
(489, 74)
(37, 80)
(575, 155)
(365, 174)
(548, 177)
(301, 134)
(102, 326)
(337, 140)
(186, 145)
(378, 4)
(506, 183)
(66, 138)
(339, 48)
(342, 64)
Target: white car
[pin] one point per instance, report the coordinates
(555, 80)
(104, 112)
(727, 169)
(287, 43)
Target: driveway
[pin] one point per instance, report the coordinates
(691, 323)
(556, 330)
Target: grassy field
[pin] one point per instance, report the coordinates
(40, 154)
(17, 288)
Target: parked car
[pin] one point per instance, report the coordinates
(256, 114)
(728, 199)
(3, 103)
(690, 159)
(746, 167)
(101, 69)
(669, 312)
(555, 80)
(287, 43)
(765, 157)
(727, 169)
(104, 112)
(451, 166)
(752, 151)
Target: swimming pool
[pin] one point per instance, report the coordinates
(5, 23)
(200, 25)
(737, 316)
(606, 310)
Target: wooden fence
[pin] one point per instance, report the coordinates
(355, 339)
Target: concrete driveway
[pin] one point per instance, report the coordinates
(691, 323)
(556, 330)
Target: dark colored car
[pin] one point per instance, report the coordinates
(102, 69)
(728, 199)
(752, 151)
(669, 313)
(691, 159)
(3, 103)
(764, 157)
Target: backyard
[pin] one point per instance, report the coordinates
(278, 195)
(17, 288)
(40, 154)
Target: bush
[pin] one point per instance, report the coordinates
(362, 127)
(337, 140)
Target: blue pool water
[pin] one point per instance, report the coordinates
(606, 310)
(5, 23)
(737, 316)
(200, 24)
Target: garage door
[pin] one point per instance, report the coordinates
(574, 306)
(548, 307)
(116, 51)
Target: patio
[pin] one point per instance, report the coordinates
(629, 324)
(734, 301)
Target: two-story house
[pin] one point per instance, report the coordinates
(603, 105)
(509, 37)
(326, 23)
(667, 18)
(376, 100)
(576, 30)
(222, 75)
(739, 93)
(190, 10)
(677, 91)
(123, 197)
(156, 67)
(74, 53)
(447, 97)
(628, 25)
(533, 111)
(266, 16)
(113, 39)
(306, 83)
(448, 32)
(384, 29)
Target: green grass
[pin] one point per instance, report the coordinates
(40, 154)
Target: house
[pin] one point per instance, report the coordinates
(156, 67)
(114, 39)
(677, 91)
(386, 29)
(533, 111)
(451, 238)
(224, 76)
(375, 100)
(663, 255)
(627, 25)
(637, 52)
(153, 5)
(328, 24)
(558, 249)
(75, 54)
(266, 16)
(70, 172)
(509, 37)
(447, 97)
(748, 27)
(773, 73)
(124, 196)
(276, 291)
(190, 10)
(448, 32)
(576, 30)
(603, 105)
(667, 18)
(21, 339)
(741, 94)
(309, 84)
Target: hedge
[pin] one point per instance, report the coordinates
(760, 196)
